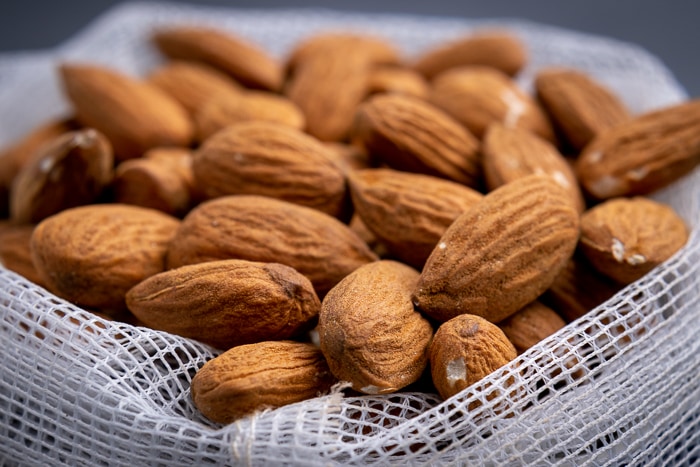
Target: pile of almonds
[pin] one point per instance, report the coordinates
(345, 214)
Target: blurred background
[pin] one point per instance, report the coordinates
(669, 30)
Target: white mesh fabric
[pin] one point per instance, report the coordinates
(618, 386)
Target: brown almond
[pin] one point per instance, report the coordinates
(264, 229)
(71, 170)
(244, 61)
(255, 377)
(478, 96)
(134, 115)
(369, 332)
(466, 349)
(492, 48)
(530, 325)
(224, 111)
(193, 83)
(395, 79)
(408, 212)
(643, 154)
(502, 253)
(15, 254)
(412, 135)
(92, 255)
(227, 303)
(349, 157)
(512, 153)
(625, 238)
(579, 106)
(268, 159)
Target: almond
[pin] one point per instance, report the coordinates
(478, 96)
(625, 238)
(71, 170)
(530, 325)
(643, 154)
(579, 106)
(92, 255)
(412, 135)
(466, 349)
(157, 181)
(349, 157)
(408, 212)
(254, 377)
(268, 159)
(369, 332)
(512, 153)
(502, 253)
(134, 115)
(193, 83)
(492, 48)
(224, 111)
(15, 254)
(240, 58)
(227, 303)
(395, 79)
(264, 229)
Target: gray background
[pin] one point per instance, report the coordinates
(667, 29)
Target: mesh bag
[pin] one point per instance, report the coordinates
(619, 386)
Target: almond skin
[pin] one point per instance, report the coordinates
(259, 376)
(134, 115)
(530, 325)
(579, 106)
(224, 111)
(643, 154)
(625, 238)
(268, 159)
(408, 212)
(264, 229)
(71, 170)
(369, 332)
(193, 83)
(92, 255)
(244, 61)
(227, 303)
(496, 49)
(412, 135)
(478, 96)
(466, 349)
(512, 153)
(15, 254)
(396, 79)
(502, 253)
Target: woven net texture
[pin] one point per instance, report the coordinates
(619, 386)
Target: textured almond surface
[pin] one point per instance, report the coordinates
(496, 49)
(259, 376)
(530, 325)
(412, 135)
(580, 106)
(643, 154)
(264, 229)
(464, 350)
(134, 115)
(15, 254)
(193, 83)
(92, 255)
(408, 212)
(240, 58)
(71, 170)
(502, 253)
(399, 80)
(227, 303)
(479, 96)
(370, 333)
(272, 160)
(512, 153)
(249, 106)
(626, 238)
